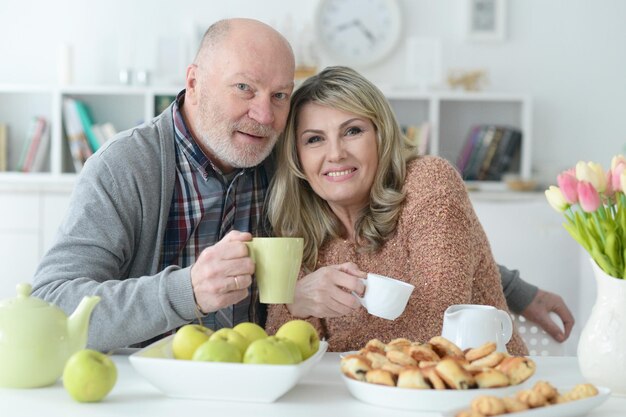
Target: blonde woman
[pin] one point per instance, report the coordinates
(348, 183)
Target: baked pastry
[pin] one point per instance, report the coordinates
(377, 360)
(375, 345)
(394, 368)
(443, 347)
(397, 344)
(491, 378)
(488, 405)
(531, 398)
(581, 391)
(547, 390)
(513, 405)
(421, 352)
(480, 352)
(400, 358)
(355, 367)
(411, 377)
(380, 377)
(433, 377)
(454, 375)
(517, 368)
(490, 361)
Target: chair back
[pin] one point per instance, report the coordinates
(538, 341)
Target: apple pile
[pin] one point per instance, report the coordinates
(294, 342)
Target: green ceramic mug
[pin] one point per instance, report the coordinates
(277, 262)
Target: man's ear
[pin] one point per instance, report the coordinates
(191, 81)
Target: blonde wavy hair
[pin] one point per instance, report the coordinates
(294, 209)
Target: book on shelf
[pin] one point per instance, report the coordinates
(488, 151)
(87, 123)
(37, 129)
(466, 152)
(39, 161)
(75, 134)
(4, 144)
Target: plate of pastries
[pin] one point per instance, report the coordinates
(542, 400)
(432, 376)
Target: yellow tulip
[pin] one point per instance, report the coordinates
(556, 199)
(616, 160)
(593, 173)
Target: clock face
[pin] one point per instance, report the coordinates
(358, 32)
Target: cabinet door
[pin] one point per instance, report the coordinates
(19, 239)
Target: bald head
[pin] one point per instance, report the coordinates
(220, 33)
(238, 90)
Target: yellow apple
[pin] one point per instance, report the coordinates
(292, 347)
(268, 351)
(303, 334)
(250, 331)
(217, 350)
(229, 335)
(89, 375)
(188, 338)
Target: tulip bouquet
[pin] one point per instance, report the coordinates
(594, 205)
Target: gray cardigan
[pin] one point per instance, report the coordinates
(110, 240)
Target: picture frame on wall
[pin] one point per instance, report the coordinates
(486, 20)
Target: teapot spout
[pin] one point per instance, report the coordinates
(78, 322)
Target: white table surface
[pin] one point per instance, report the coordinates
(320, 393)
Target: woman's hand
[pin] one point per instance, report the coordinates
(327, 292)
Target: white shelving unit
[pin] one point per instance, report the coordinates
(32, 205)
(124, 107)
(452, 114)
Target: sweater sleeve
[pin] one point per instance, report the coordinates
(106, 247)
(518, 292)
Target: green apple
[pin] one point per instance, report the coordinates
(231, 336)
(303, 334)
(89, 375)
(188, 338)
(268, 351)
(292, 347)
(217, 350)
(250, 331)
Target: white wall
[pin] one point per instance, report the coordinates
(569, 54)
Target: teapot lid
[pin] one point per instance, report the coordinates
(23, 299)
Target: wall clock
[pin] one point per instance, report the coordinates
(358, 32)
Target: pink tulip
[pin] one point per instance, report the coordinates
(588, 197)
(616, 174)
(568, 184)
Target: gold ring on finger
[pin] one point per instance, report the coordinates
(236, 284)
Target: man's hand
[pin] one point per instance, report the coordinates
(539, 311)
(327, 292)
(222, 273)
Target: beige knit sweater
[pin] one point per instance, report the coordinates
(439, 246)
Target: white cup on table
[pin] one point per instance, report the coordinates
(385, 297)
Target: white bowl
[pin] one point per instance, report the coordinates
(420, 399)
(217, 381)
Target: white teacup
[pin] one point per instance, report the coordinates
(385, 297)
(472, 325)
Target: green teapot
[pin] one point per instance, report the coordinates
(37, 338)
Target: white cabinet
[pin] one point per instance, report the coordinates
(29, 218)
